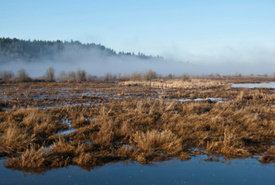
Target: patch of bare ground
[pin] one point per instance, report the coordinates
(140, 126)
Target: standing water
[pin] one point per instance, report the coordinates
(255, 85)
(195, 171)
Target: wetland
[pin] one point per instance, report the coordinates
(203, 123)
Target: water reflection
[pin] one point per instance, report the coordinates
(202, 99)
(195, 171)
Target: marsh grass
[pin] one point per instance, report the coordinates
(154, 140)
(167, 84)
(143, 126)
(31, 158)
(15, 139)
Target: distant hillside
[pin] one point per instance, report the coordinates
(27, 50)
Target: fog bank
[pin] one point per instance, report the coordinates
(96, 62)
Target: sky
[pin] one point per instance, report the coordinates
(198, 31)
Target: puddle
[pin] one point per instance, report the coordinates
(89, 142)
(202, 99)
(70, 130)
(65, 104)
(195, 171)
(67, 121)
(65, 132)
(48, 148)
(44, 97)
(255, 85)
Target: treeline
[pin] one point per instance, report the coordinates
(33, 50)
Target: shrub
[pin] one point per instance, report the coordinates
(90, 77)
(80, 75)
(185, 77)
(50, 74)
(71, 76)
(22, 76)
(150, 75)
(136, 76)
(6, 74)
(109, 77)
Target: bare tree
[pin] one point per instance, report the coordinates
(136, 76)
(109, 77)
(150, 75)
(80, 75)
(6, 74)
(22, 76)
(50, 74)
(71, 77)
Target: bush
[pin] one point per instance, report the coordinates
(185, 77)
(22, 76)
(80, 75)
(71, 77)
(136, 76)
(109, 77)
(150, 75)
(90, 77)
(6, 74)
(50, 74)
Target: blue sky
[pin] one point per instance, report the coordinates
(196, 31)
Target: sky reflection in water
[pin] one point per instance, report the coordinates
(195, 171)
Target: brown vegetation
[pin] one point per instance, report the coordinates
(107, 122)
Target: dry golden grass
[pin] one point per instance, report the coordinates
(16, 139)
(164, 141)
(267, 159)
(31, 158)
(148, 125)
(168, 84)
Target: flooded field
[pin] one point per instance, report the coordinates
(164, 128)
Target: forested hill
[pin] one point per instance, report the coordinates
(27, 50)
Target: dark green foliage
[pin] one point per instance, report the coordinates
(31, 50)
(12, 49)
